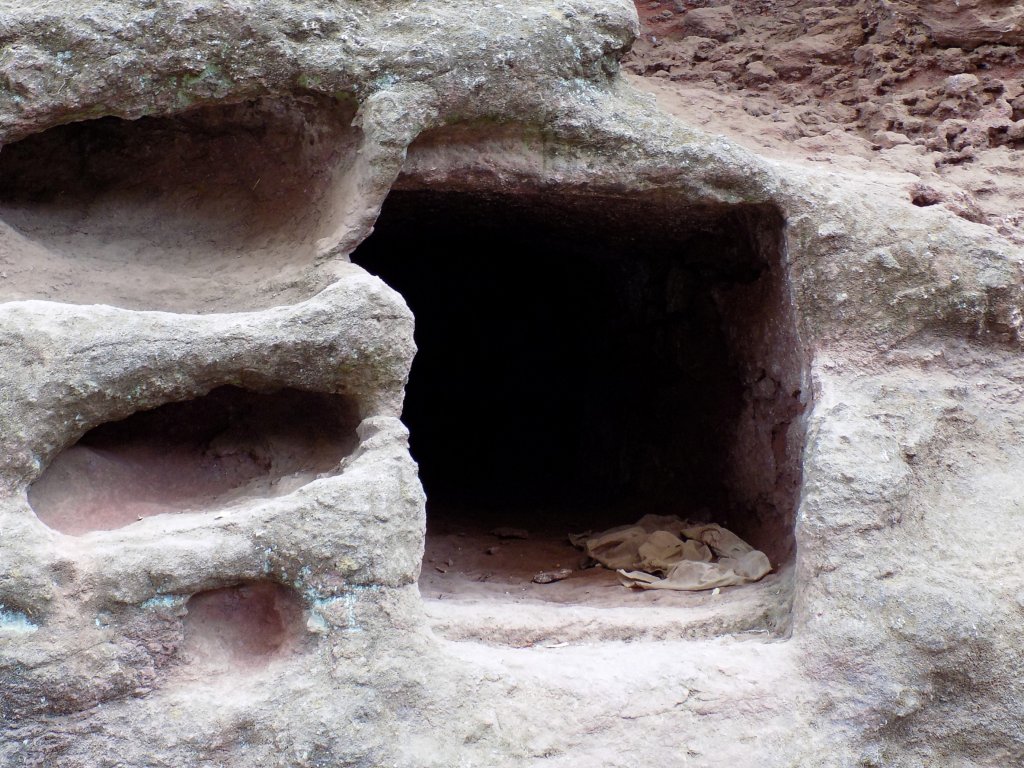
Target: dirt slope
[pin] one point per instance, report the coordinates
(932, 90)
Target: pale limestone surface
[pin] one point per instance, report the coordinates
(903, 644)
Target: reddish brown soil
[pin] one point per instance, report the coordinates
(935, 90)
(467, 561)
(471, 595)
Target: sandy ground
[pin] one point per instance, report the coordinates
(479, 586)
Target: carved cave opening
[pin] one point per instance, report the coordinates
(227, 447)
(586, 360)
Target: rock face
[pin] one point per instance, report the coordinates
(207, 390)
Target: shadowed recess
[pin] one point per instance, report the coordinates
(586, 360)
(218, 208)
(242, 627)
(228, 447)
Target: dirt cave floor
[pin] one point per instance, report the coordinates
(477, 585)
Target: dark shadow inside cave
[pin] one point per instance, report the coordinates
(586, 360)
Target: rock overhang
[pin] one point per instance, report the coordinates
(181, 55)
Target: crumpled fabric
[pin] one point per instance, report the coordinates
(666, 552)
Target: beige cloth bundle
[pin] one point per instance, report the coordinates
(665, 552)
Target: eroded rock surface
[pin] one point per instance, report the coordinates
(181, 185)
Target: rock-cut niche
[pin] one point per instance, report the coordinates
(586, 360)
(219, 208)
(242, 628)
(229, 447)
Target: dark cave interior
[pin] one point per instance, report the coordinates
(586, 360)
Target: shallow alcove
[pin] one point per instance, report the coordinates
(217, 208)
(209, 453)
(241, 628)
(586, 360)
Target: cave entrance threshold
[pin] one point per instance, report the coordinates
(583, 361)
